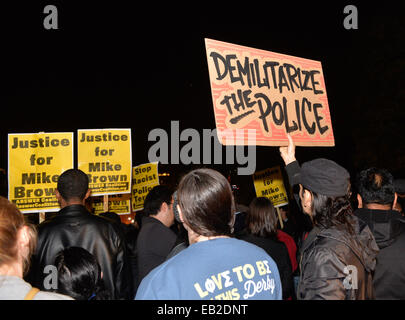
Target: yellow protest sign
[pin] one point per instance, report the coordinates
(35, 162)
(105, 155)
(269, 183)
(145, 177)
(118, 203)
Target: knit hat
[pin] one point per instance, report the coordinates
(325, 177)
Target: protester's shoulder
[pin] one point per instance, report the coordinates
(155, 226)
(44, 295)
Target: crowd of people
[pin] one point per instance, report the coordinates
(196, 242)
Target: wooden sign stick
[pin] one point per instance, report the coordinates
(105, 206)
(279, 218)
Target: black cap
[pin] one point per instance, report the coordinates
(325, 177)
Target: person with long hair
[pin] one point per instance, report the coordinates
(261, 230)
(338, 256)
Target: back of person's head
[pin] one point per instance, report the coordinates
(11, 224)
(261, 220)
(155, 198)
(376, 185)
(206, 202)
(73, 184)
(79, 275)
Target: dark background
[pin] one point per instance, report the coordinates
(140, 66)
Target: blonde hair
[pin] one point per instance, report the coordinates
(11, 222)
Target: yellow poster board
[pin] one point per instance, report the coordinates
(35, 162)
(118, 203)
(105, 155)
(269, 183)
(145, 177)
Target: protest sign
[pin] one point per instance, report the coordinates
(118, 203)
(35, 162)
(105, 155)
(270, 93)
(145, 177)
(269, 183)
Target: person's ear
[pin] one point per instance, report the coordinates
(57, 195)
(164, 207)
(88, 193)
(360, 201)
(180, 214)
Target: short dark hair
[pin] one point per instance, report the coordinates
(155, 198)
(206, 202)
(261, 219)
(376, 185)
(73, 184)
(79, 275)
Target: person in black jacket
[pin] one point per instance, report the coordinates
(74, 226)
(338, 257)
(376, 198)
(261, 230)
(155, 238)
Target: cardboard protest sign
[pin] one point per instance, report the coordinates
(269, 183)
(105, 155)
(118, 203)
(145, 177)
(268, 93)
(35, 162)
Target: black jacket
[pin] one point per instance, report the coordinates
(278, 251)
(155, 242)
(388, 227)
(75, 226)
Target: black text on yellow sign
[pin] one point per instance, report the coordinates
(36, 160)
(105, 155)
(269, 183)
(145, 178)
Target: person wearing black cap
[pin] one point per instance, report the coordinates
(339, 254)
(377, 197)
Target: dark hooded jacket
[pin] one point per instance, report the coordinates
(388, 227)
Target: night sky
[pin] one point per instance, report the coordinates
(111, 65)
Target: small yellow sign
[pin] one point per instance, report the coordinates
(269, 183)
(145, 177)
(118, 203)
(35, 162)
(105, 155)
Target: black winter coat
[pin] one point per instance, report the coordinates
(75, 226)
(388, 227)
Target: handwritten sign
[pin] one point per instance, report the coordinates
(145, 177)
(35, 162)
(271, 93)
(269, 183)
(105, 155)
